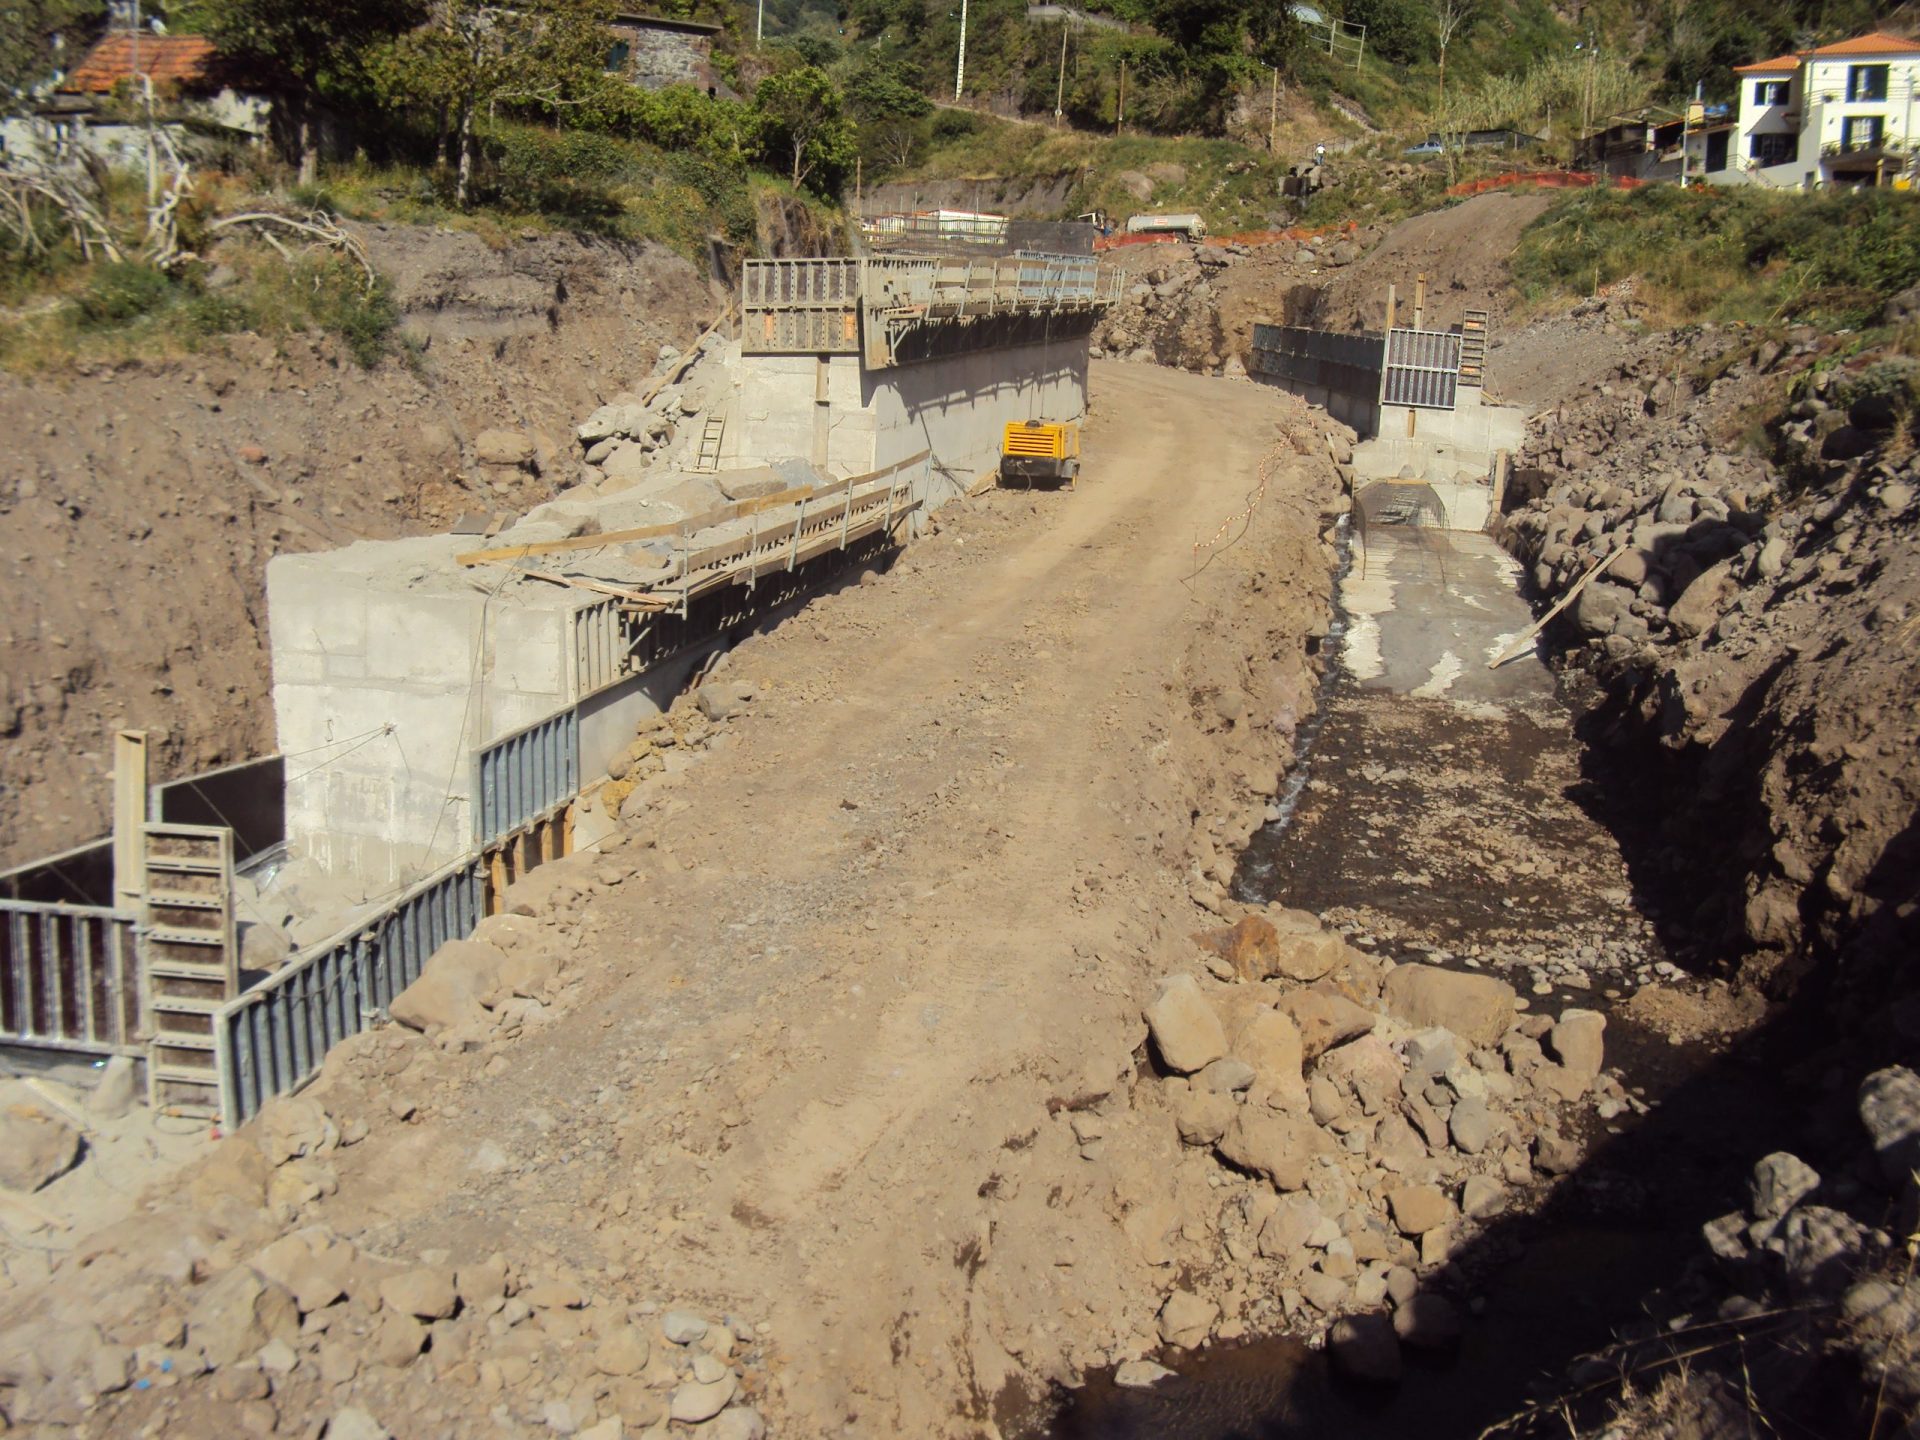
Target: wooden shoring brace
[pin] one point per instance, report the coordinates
(793, 548)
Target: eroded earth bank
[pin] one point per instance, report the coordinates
(932, 1056)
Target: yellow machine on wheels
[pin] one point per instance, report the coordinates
(1040, 450)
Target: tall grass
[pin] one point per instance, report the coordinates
(1734, 253)
(112, 312)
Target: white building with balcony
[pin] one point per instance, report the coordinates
(1839, 115)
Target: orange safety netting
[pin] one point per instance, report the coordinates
(1543, 179)
(1250, 237)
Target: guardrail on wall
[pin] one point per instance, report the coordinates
(273, 1038)
(69, 979)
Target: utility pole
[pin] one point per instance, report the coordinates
(1273, 114)
(1120, 102)
(759, 22)
(960, 66)
(1060, 91)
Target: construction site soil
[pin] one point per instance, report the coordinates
(930, 1054)
(141, 503)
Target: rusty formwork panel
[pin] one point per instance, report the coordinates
(800, 307)
(876, 306)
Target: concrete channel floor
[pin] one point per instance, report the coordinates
(1428, 610)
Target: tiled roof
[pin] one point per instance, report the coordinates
(1779, 65)
(1878, 43)
(168, 59)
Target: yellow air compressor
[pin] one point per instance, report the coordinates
(1040, 450)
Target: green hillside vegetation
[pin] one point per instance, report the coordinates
(1732, 254)
(496, 118)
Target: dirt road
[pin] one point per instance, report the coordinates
(864, 952)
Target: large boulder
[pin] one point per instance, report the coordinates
(1477, 1008)
(1276, 1146)
(1364, 1348)
(503, 447)
(1270, 1043)
(1184, 1027)
(1890, 1109)
(35, 1148)
(1324, 1018)
(1186, 1319)
(1578, 1042)
(235, 1315)
(1700, 606)
(447, 996)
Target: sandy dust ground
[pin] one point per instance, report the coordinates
(815, 1075)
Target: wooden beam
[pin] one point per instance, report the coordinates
(689, 526)
(575, 582)
(1567, 599)
(129, 818)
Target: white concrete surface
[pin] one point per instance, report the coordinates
(1442, 445)
(391, 668)
(1427, 610)
(955, 407)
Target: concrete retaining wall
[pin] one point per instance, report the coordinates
(955, 407)
(382, 692)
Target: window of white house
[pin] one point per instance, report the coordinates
(1775, 149)
(618, 54)
(1771, 92)
(1862, 132)
(1866, 82)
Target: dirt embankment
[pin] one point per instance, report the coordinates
(142, 504)
(1754, 629)
(823, 1044)
(1195, 306)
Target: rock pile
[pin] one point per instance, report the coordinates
(1806, 1267)
(1755, 608)
(231, 1307)
(1369, 1118)
(633, 434)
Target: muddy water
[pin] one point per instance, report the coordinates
(1460, 828)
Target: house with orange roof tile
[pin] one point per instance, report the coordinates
(94, 106)
(1840, 114)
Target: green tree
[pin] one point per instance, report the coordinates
(1397, 30)
(305, 51)
(804, 118)
(473, 57)
(33, 34)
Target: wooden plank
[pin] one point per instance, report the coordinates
(737, 511)
(1567, 599)
(691, 525)
(576, 582)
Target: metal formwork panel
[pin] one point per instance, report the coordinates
(525, 773)
(1423, 368)
(68, 978)
(599, 648)
(275, 1037)
(1318, 359)
(800, 307)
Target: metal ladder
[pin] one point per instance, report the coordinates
(1473, 347)
(190, 961)
(706, 459)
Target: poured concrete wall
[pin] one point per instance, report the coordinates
(383, 691)
(1444, 444)
(956, 407)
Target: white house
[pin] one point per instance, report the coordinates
(92, 107)
(1839, 115)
